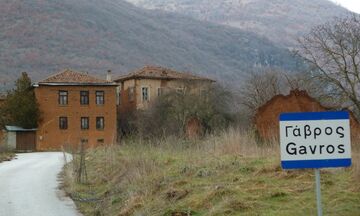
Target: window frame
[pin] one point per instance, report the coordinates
(96, 97)
(103, 122)
(82, 125)
(61, 97)
(142, 93)
(180, 90)
(63, 125)
(84, 96)
(160, 91)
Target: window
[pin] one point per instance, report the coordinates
(100, 97)
(63, 123)
(145, 94)
(84, 141)
(180, 90)
(203, 92)
(160, 91)
(84, 97)
(63, 97)
(84, 123)
(118, 93)
(131, 92)
(100, 123)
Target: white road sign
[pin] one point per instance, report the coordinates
(315, 140)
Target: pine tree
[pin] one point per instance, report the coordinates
(20, 108)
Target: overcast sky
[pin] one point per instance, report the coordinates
(353, 5)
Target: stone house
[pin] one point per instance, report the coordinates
(266, 119)
(139, 88)
(76, 107)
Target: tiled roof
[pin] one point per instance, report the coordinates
(155, 72)
(72, 77)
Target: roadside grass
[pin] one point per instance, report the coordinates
(228, 174)
(6, 156)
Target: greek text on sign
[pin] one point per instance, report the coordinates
(315, 140)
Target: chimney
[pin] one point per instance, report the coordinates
(108, 76)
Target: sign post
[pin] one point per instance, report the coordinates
(315, 140)
(318, 192)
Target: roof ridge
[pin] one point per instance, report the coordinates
(160, 72)
(73, 76)
(57, 73)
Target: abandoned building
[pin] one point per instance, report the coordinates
(140, 88)
(266, 119)
(75, 107)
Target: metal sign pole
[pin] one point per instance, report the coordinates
(318, 192)
(302, 136)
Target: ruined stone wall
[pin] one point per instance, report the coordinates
(266, 119)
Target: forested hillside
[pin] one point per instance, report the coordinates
(41, 37)
(281, 21)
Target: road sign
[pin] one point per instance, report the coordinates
(315, 140)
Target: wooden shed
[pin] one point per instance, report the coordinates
(20, 139)
(266, 119)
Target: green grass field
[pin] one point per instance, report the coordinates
(228, 174)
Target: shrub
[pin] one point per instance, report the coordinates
(169, 114)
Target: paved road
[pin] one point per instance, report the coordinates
(29, 186)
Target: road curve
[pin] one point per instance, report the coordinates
(29, 186)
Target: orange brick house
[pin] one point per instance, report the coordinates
(141, 87)
(75, 107)
(266, 119)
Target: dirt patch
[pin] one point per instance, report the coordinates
(181, 214)
(174, 194)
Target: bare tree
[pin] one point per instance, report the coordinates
(169, 114)
(333, 51)
(261, 86)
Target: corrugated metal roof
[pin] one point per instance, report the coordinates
(16, 128)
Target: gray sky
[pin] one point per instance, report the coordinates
(353, 5)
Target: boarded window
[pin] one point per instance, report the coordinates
(84, 123)
(63, 123)
(100, 97)
(84, 97)
(63, 97)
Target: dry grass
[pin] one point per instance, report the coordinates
(240, 142)
(6, 156)
(228, 174)
(356, 164)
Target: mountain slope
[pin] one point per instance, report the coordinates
(281, 21)
(42, 36)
